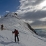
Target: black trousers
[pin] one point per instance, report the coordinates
(16, 38)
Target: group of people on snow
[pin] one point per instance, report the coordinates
(16, 32)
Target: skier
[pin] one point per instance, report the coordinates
(2, 27)
(16, 34)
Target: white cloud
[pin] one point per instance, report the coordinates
(30, 5)
(7, 11)
(28, 21)
(0, 16)
(33, 10)
(43, 3)
(43, 19)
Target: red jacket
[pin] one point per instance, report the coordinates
(16, 32)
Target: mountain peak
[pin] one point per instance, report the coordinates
(12, 14)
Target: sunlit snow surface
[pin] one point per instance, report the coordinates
(27, 37)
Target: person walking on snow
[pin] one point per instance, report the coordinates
(2, 27)
(16, 34)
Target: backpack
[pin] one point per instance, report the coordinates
(16, 32)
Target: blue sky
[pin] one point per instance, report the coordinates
(8, 5)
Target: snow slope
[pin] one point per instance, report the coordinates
(27, 37)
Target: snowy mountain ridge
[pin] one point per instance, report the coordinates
(11, 22)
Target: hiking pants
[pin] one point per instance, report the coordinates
(16, 36)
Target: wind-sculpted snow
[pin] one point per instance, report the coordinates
(27, 37)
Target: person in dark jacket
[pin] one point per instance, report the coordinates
(2, 27)
(16, 34)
